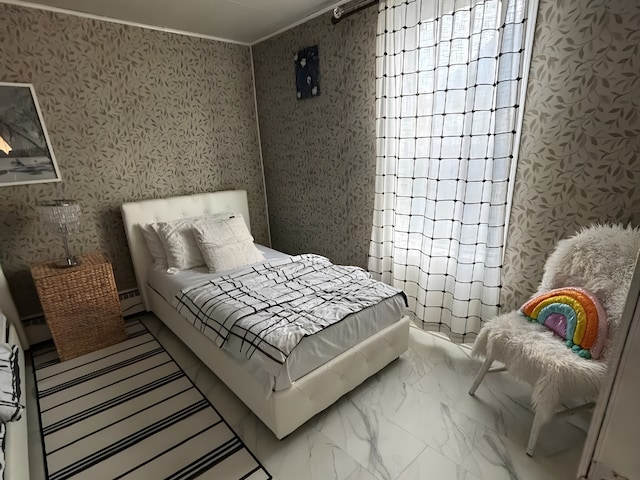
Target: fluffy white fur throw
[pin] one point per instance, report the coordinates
(600, 259)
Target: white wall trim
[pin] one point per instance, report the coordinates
(300, 22)
(47, 8)
(264, 180)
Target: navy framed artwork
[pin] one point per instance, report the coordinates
(307, 72)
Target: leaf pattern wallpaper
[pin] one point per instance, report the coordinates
(579, 150)
(579, 153)
(136, 113)
(132, 113)
(319, 153)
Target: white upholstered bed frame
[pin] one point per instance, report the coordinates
(284, 410)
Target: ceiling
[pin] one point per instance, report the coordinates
(242, 21)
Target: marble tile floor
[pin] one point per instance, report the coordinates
(414, 420)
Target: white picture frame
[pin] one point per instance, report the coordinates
(26, 155)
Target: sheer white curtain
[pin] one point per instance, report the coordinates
(450, 79)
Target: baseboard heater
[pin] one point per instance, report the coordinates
(130, 302)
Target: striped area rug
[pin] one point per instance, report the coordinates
(129, 411)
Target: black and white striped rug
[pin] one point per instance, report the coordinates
(129, 411)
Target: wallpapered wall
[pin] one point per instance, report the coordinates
(578, 160)
(132, 113)
(319, 153)
(579, 155)
(135, 113)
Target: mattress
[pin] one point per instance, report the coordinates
(313, 351)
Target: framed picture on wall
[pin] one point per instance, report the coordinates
(307, 64)
(26, 155)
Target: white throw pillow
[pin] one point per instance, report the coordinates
(155, 245)
(226, 243)
(179, 243)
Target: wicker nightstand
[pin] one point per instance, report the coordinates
(80, 305)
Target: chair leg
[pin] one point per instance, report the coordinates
(533, 436)
(481, 374)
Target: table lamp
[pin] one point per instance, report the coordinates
(64, 215)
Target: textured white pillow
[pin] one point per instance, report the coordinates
(226, 243)
(178, 241)
(155, 245)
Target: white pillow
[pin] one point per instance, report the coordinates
(155, 245)
(226, 243)
(178, 242)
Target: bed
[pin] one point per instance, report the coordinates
(292, 404)
(15, 443)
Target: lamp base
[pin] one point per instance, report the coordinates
(68, 262)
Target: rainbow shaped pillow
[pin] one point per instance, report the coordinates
(573, 314)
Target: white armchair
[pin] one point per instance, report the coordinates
(15, 443)
(9, 309)
(599, 259)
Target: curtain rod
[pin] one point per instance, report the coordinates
(341, 12)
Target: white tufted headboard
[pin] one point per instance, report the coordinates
(164, 209)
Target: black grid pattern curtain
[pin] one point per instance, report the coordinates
(450, 82)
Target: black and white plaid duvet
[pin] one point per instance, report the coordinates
(270, 307)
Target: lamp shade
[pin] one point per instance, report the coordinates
(64, 216)
(61, 213)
